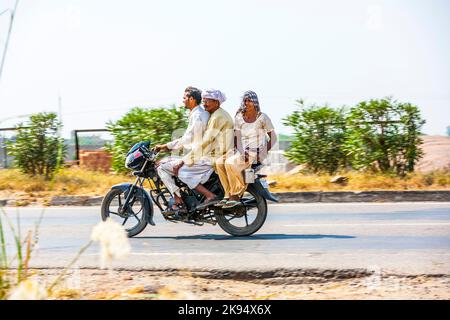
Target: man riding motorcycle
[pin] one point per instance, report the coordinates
(197, 187)
(196, 166)
(200, 171)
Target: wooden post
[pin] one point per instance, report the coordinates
(77, 148)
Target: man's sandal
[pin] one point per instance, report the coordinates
(174, 209)
(221, 203)
(231, 204)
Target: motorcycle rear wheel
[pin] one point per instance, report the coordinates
(140, 210)
(254, 205)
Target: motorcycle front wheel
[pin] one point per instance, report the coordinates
(134, 220)
(246, 219)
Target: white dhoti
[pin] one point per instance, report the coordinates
(192, 176)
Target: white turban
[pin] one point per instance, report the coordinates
(215, 95)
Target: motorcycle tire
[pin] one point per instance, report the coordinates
(105, 212)
(247, 230)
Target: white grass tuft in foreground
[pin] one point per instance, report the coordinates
(28, 290)
(114, 243)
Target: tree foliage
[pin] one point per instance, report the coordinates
(139, 124)
(378, 135)
(37, 149)
(319, 136)
(384, 136)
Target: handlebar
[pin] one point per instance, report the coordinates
(150, 154)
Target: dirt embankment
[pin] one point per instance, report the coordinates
(436, 154)
(306, 284)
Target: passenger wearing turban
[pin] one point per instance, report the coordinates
(216, 142)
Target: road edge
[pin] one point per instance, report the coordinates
(287, 197)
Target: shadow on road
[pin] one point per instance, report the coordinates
(252, 237)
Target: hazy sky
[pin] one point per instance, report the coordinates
(104, 57)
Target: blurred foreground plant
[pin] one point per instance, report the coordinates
(113, 240)
(108, 233)
(24, 248)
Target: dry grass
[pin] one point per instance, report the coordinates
(361, 181)
(74, 181)
(69, 181)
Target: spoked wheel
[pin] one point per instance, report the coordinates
(134, 219)
(246, 219)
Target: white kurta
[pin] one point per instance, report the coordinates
(201, 170)
(198, 120)
(254, 134)
(191, 176)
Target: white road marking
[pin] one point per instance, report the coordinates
(314, 204)
(213, 254)
(307, 204)
(305, 254)
(172, 253)
(368, 224)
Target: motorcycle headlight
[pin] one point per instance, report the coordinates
(134, 160)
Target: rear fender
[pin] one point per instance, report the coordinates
(125, 187)
(263, 192)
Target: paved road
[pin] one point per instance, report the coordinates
(402, 238)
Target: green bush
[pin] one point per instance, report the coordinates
(377, 135)
(319, 136)
(139, 124)
(384, 136)
(37, 149)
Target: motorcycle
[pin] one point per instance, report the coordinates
(132, 205)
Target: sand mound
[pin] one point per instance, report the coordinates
(436, 154)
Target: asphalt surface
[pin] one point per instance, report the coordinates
(398, 238)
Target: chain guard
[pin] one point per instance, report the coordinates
(238, 212)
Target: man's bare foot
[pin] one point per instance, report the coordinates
(208, 194)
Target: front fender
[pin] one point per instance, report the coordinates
(125, 187)
(263, 192)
